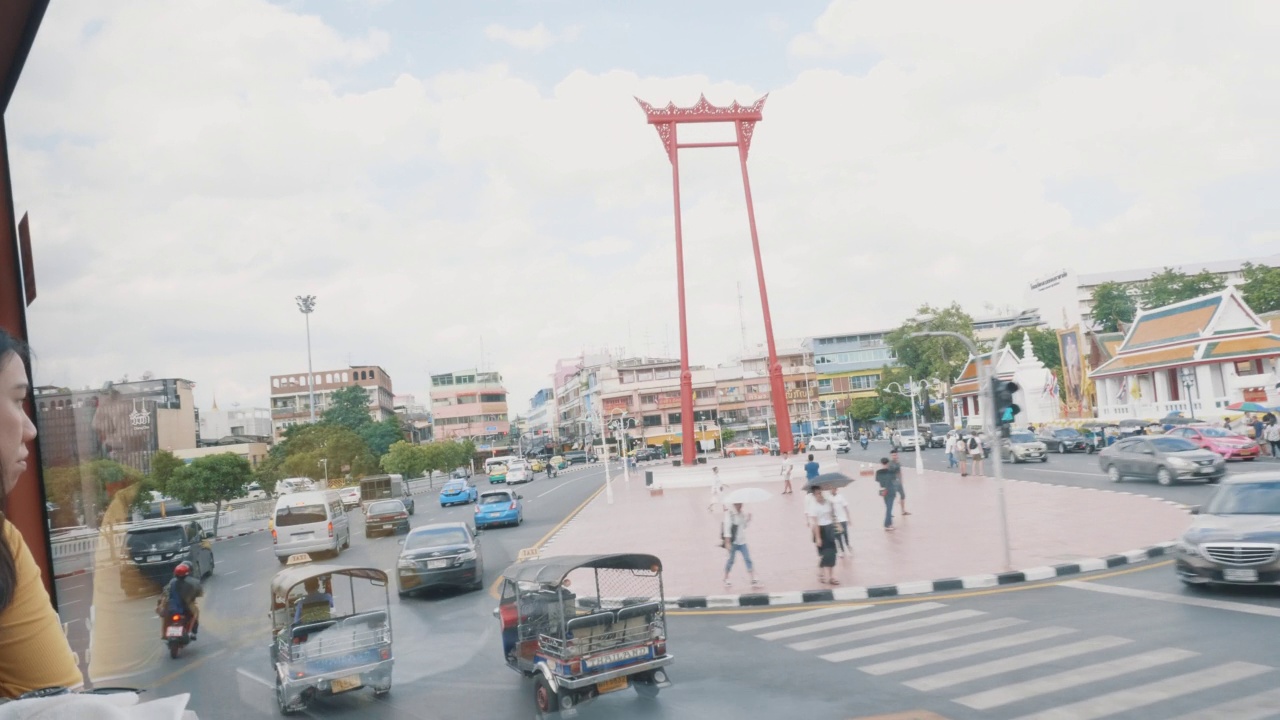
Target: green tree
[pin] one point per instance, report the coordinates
(863, 409)
(927, 358)
(380, 436)
(405, 458)
(892, 404)
(1261, 287)
(338, 446)
(1112, 306)
(349, 408)
(727, 435)
(212, 479)
(163, 465)
(1170, 286)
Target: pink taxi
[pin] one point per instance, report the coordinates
(1224, 442)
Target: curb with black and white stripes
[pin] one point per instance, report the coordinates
(923, 587)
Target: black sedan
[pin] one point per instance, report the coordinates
(444, 554)
(1064, 440)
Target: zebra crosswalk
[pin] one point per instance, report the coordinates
(1009, 667)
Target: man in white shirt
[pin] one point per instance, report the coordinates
(822, 518)
(785, 472)
(735, 541)
(841, 508)
(717, 490)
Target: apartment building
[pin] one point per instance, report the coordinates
(291, 395)
(643, 394)
(223, 422)
(848, 366)
(469, 404)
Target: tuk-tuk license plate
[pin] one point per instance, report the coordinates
(351, 682)
(609, 686)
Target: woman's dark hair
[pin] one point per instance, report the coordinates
(10, 347)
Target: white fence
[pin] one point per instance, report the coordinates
(76, 549)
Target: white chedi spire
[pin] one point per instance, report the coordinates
(1029, 359)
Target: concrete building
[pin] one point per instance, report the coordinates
(126, 422)
(542, 425)
(989, 328)
(221, 422)
(746, 399)
(254, 452)
(577, 398)
(1194, 357)
(848, 366)
(1065, 298)
(290, 396)
(416, 416)
(469, 404)
(644, 394)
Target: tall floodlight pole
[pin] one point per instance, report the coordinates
(307, 304)
(744, 118)
(986, 378)
(911, 391)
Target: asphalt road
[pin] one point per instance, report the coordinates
(1129, 644)
(1075, 469)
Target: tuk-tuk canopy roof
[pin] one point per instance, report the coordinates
(552, 571)
(291, 577)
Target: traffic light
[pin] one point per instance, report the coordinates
(1005, 408)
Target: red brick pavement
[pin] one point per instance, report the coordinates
(952, 532)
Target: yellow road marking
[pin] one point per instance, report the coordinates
(924, 597)
(493, 589)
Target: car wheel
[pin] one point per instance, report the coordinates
(346, 542)
(1113, 474)
(545, 699)
(209, 572)
(1044, 459)
(1215, 480)
(1164, 477)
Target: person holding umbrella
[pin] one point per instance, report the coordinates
(734, 531)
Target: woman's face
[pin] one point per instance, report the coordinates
(16, 428)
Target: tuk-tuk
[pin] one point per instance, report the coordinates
(585, 625)
(331, 632)
(1099, 435)
(558, 462)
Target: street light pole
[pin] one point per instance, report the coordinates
(608, 481)
(1188, 376)
(910, 392)
(325, 463)
(307, 304)
(988, 417)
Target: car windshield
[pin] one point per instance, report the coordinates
(907, 433)
(386, 507)
(494, 498)
(455, 487)
(160, 539)
(300, 515)
(1216, 432)
(1255, 498)
(440, 537)
(1022, 437)
(1173, 444)
(1067, 433)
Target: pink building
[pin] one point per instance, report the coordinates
(470, 404)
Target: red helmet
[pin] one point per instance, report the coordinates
(183, 569)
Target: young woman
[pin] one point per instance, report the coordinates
(34, 652)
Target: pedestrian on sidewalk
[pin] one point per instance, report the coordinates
(822, 518)
(950, 444)
(787, 467)
(811, 470)
(975, 453)
(841, 508)
(717, 490)
(887, 479)
(1272, 436)
(898, 486)
(962, 453)
(735, 541)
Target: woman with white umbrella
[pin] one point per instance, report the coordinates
(734, 530)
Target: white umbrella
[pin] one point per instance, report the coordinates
(747, 495)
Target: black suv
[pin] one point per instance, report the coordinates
(150, 553)
(574, 457)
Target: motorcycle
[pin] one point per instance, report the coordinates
(177, 633)
(863, 442)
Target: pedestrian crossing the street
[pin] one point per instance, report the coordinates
(1008, 667)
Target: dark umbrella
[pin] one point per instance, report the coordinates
(1177, 420)
(830, 479)
(1133, 423)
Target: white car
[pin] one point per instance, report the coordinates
(254, 491)
(828, 442)
(907, 438)
(350, 496)
(519, 472)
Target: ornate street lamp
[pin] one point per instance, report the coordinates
(912, 390)
(307, 304)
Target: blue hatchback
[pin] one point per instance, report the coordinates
(457, 492)
(499, 507)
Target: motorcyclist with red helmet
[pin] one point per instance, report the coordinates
(181, 595)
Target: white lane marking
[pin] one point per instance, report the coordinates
(225, 573)
(1015, 662)
(264, 549)
(918, 640)
(242, 587)
(1135, 697)
(1074, 677)
(912, 662)
(886, 629)
(249, 676)
(1254, 707)
(68, 602)
(797, 617)
(566, 482)
(1240, 607)
(845, 622)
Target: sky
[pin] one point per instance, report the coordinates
(473, 184)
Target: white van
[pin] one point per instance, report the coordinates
(310, 522)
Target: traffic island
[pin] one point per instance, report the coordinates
(951, 540)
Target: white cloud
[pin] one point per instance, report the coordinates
(189, 172)
(536, 38)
